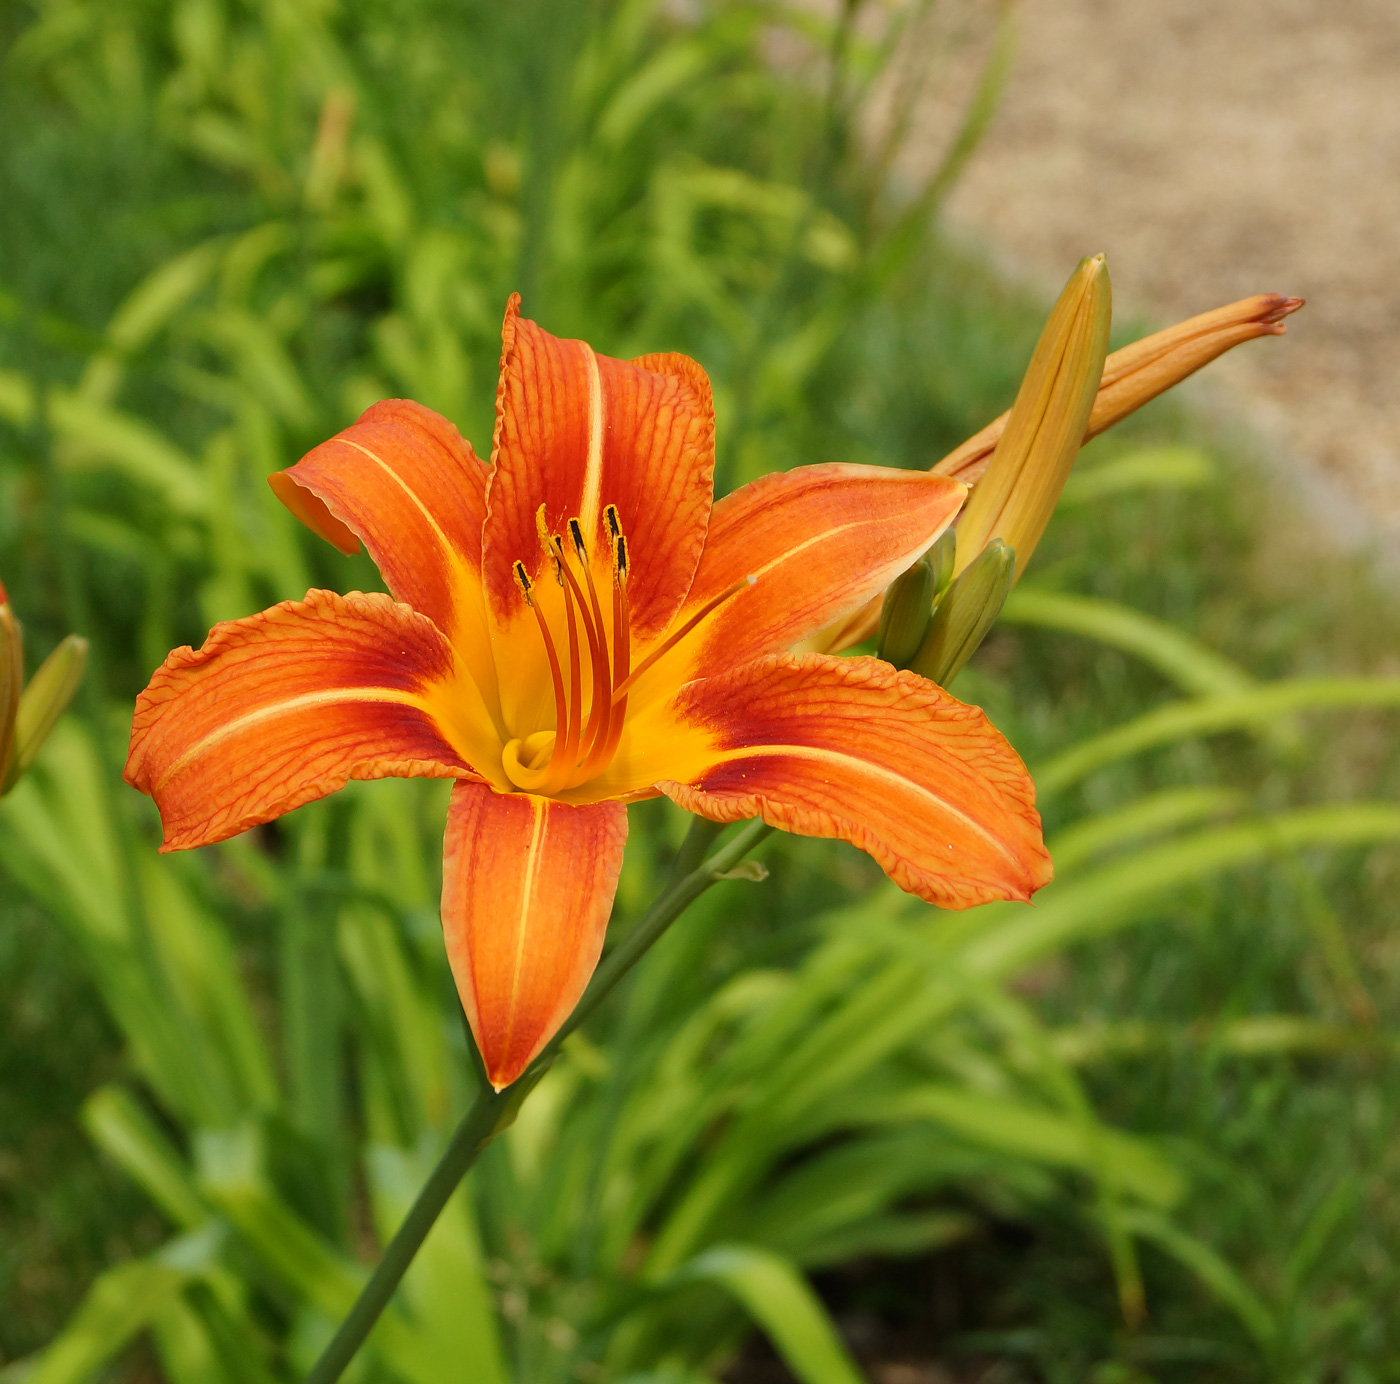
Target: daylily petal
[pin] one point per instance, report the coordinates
(820, 541)
(576, 432)
(287, 706)
(854, 749)
(527, 886)
(405, 481)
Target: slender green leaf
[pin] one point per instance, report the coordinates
(1153, 468)
(1115, 896)
(1213, 1271)
(1186, 661)
(1210, 716)
(780, 1301)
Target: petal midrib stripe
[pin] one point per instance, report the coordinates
(522, 922)
(453, 557)
(283, 708)
(877, 771)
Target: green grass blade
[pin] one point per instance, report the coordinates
(780, 1301)
(1150, 815)
(118, 1306)
(126, 1134)
(1153, 468)
(1027, 1130)
(1186, 661)
(1210, 716)
(1213, 1271)
(1115, 896)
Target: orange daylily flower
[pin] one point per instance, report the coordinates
(574, 627)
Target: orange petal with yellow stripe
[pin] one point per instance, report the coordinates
(404, 481)
(286, 706)
(819, 541)
(527, 887)
(577, 432)
(854, 749)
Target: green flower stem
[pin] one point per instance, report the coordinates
(493, 1111)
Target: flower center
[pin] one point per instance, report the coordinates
(551, 761)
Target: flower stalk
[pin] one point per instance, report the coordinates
(493, 1111)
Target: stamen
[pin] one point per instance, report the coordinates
(610, 668)
(566, 753)
(598, 714)
(711, 605)
(622, 651)
(560, 700)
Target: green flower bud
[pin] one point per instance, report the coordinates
(967, 611)
(908, 603)
(44, 701)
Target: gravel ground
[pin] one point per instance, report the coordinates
(1216, 148)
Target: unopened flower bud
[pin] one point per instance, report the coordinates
(1015, 498)
(1131, 378)
(43, 701)
(967, 611)
(1140, 372)
(908, 603)
(11, 681)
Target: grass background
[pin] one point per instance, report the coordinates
(836, 325)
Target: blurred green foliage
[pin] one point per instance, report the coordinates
(228, 226)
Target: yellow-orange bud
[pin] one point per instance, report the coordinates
(1045, 430)
(1131, 378)
(1138, 373)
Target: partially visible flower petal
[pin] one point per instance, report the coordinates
(405, 481)
(286, 706)
(527, 887)
(576, 432)
(820, 541)
(854, 749)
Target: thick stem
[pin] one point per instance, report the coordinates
(492, 1111)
